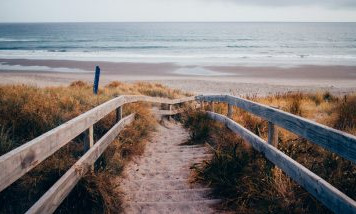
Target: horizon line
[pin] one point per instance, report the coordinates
(54, 22)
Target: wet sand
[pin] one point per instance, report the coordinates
(237, 80)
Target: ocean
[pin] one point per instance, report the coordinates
(247, 44)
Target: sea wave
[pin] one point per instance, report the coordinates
(83, 48)
(11, 48)
(61, 50)
(130, 47)
(246, 46)
(4, 39)
(17, 40)
(188, 55)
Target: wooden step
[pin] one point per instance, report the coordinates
(158, 184)
(187, 207)
(184, 195)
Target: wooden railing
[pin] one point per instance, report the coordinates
(331, 139)
(19, 161)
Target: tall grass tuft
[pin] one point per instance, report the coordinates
(346, 111)
(6, 143)
(198, 127)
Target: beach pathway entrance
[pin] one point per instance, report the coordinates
(159, 181)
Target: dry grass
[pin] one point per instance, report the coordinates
(27, 112)
(346, 118)
(248, 182)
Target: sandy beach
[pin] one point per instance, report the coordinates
(238, 80)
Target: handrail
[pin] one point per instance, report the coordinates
(341, 143)
(49, 202)
(21, 160)
(322, 190)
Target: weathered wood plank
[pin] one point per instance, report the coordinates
(91, 141)
(202, 104)
(341, 143)
(272, 134)
(168, 112)
(22, 159)
(229, 111)
(319, 188)
(19, 161)
(49, 202)
(89, 138)
(142, 98)
(119, 113)
(212, 106)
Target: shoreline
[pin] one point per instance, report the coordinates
(172, 69)
(238, 80)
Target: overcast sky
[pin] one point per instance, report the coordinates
(176, 10)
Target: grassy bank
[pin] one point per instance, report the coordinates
(27, 112)
(248, 182)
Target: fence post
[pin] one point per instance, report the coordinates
(212, 107)
(272, 134)
(89, 138)
(169, 107)
(89, 141)
(96, 79)
(118, 114)
(229, 111)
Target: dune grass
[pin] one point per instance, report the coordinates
(247, 181)
(27, 112)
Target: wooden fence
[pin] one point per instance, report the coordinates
(19, 161)
(331, 139)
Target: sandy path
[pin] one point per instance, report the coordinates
(158, 181)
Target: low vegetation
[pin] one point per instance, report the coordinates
(247, 181)
(27, 112)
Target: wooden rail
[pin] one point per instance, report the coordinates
(169, 112)
(319, 188)
(22, 159)
(19, 161)
(336, 141)
(49, 202)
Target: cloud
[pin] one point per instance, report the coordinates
(283, 3)
(173, 10)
